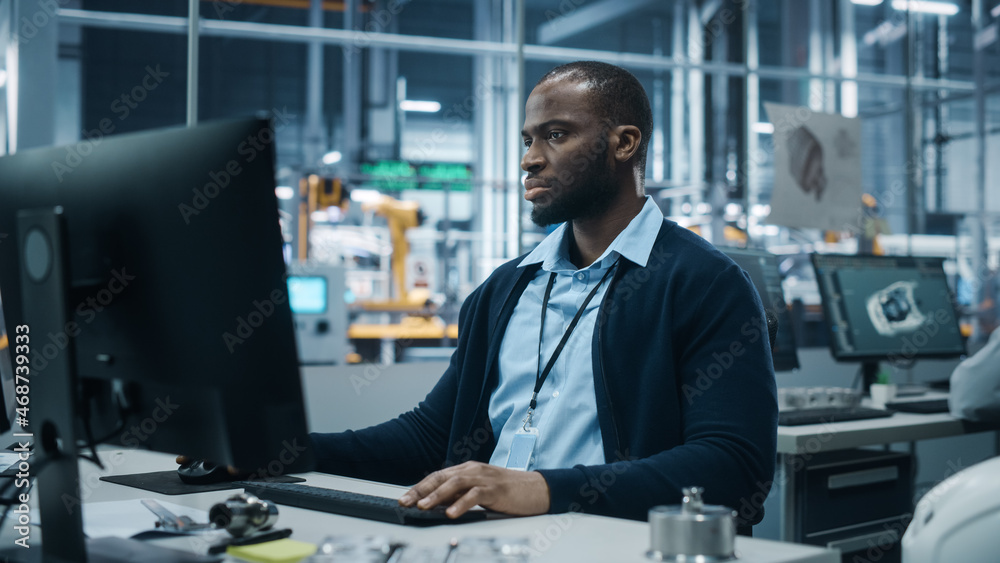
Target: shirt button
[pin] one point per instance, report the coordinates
(555, 394)
(580, 276)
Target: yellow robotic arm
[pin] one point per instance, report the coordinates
(401, 216)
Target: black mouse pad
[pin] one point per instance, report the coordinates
(168, 483)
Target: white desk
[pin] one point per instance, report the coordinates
(555, 537)
(900, 427)
(806, 440)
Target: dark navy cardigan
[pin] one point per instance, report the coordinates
(683, 378)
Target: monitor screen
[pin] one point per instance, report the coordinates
(175, 289)
(307, 294)
(762, 267)
(887, 308)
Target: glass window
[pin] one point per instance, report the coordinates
(881, 39)
(601, 26)
(453, 19)
(783, 33)
(125, 88)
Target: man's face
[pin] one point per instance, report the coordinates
(570, 175)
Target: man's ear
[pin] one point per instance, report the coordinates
(629, 137)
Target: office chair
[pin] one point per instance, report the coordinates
(772, 327)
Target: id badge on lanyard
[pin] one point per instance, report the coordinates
(522, 446)
(522, 449)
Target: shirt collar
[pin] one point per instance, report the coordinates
(634, 243)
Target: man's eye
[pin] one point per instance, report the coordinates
(556, 134)
(527, 143)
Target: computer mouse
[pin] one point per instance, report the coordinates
(201, 472)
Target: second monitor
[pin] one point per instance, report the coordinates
(762, 266)
(887, 308)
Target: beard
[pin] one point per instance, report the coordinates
(583, 199)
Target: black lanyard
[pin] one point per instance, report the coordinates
(543, 374)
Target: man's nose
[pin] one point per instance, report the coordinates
(532, 160)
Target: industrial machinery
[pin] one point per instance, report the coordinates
(316, 296)
(401, 216)
(411, 314)
(316, 192)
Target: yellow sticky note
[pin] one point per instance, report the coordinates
(278, 551)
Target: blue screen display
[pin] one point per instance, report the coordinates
(307, 294)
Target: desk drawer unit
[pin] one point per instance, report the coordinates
(854, 500)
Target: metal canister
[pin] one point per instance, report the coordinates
(692, 531)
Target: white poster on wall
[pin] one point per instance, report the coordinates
(817, 168)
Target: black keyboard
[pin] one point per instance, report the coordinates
(354, 504)
(922, 406)
(829, 414)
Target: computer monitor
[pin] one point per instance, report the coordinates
(307, 295)
(762, 266)
(887, 308)
(173, 295)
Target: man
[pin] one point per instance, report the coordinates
(661, 376)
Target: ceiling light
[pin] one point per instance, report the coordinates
(332, 157)
(866, 2)
(762, 127)
(423, 106)
(926, 7)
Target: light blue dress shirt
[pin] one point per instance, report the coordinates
(566, 415)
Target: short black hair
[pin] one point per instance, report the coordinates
(615, 94)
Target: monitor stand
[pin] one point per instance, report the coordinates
(52, 412)
(869, 375)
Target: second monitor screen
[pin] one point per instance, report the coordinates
(887, 307)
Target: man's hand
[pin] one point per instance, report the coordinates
(183, 459)
(522, 493)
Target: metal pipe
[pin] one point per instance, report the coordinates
(696, 100)
(656, 149)
(514, 198)
(416, 43)
(678, 147)
(489, 143)
(978, 222)
(816, 96)
(192, 67)
(8, 99)
(747, 170)
(352, 105)
(941, 113)
(314, 144)
(277, 32)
